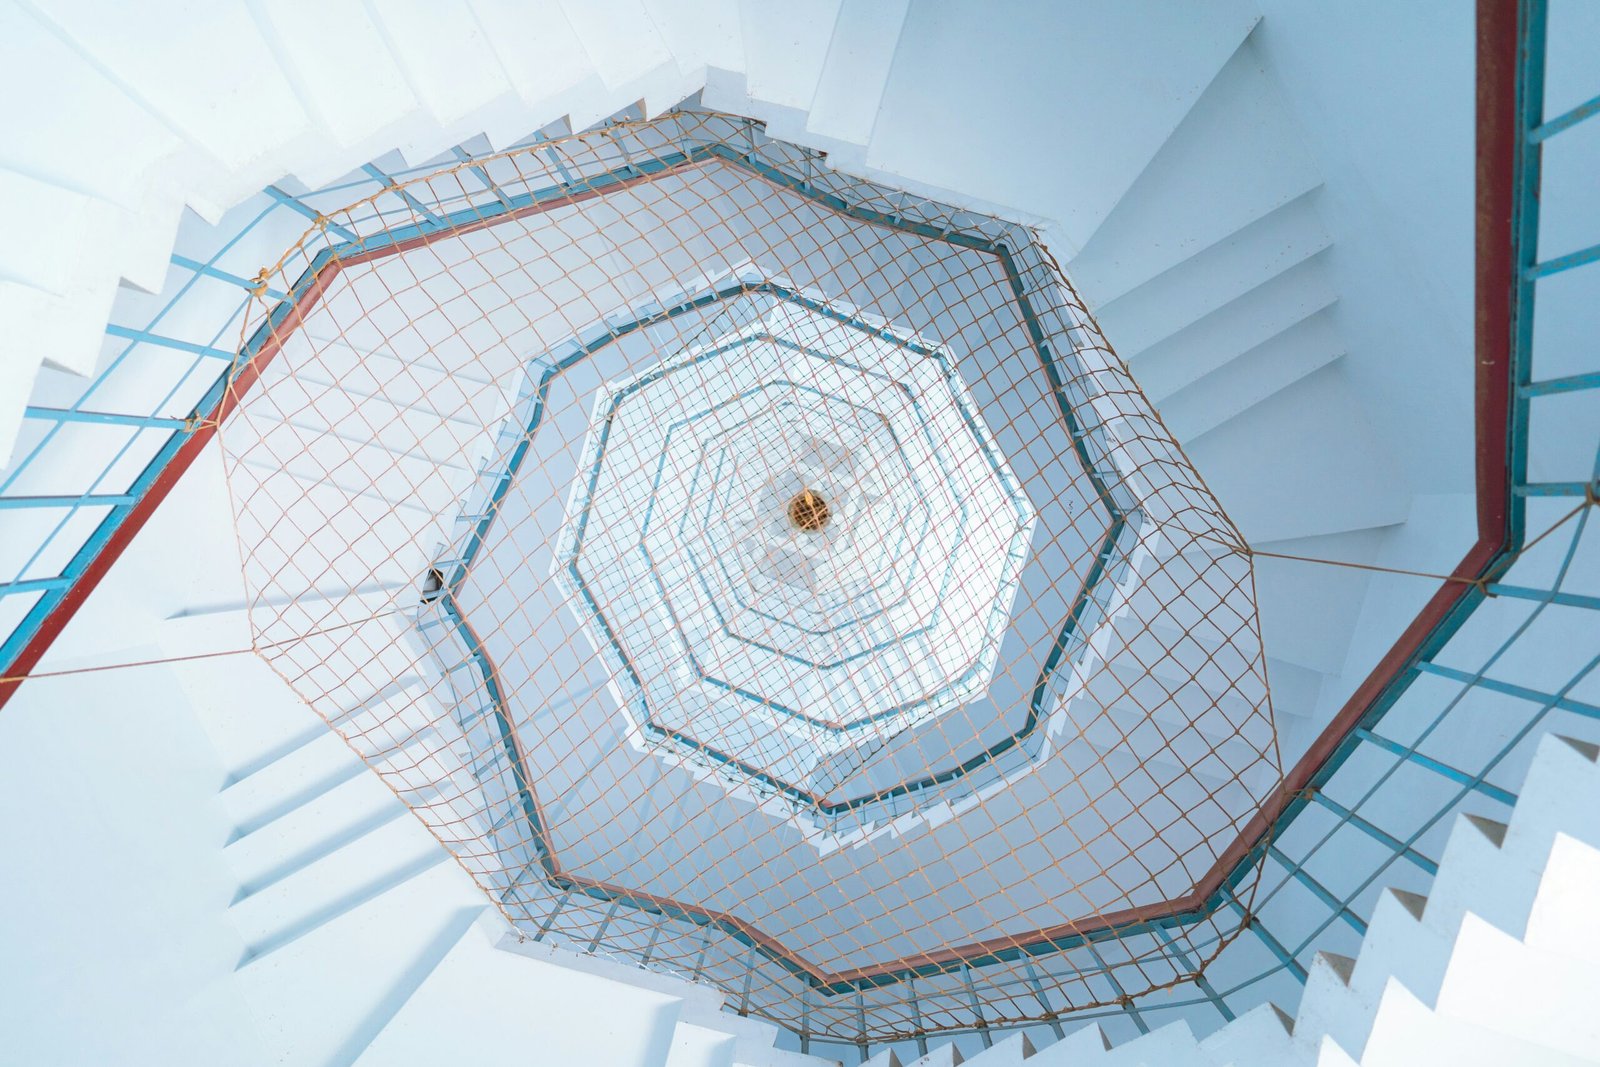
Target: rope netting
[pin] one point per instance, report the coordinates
(755, 573)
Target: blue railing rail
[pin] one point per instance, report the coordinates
(49, 567)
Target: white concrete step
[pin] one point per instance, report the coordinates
(75, 242)
(946, 1055)
(1261, 1037)
(1159, 307)
(1083, 1045)
(1222, 335)
(844, 106)
(295, 779)
(784, 60)
(447, 61)
(45, 329)
(332, 885)
(118, 948)
(627, 51)
(112, 148)
(1398, 947)
(1253, 376)
(973, 91)
(310, 831)
(1005, 1052)
(272, 227)
(1172, 1044)
(1322, 1006)
(112, 152)
(324, 996)
(201, 73)
(701, 35)
(251, 715)
(1519, 992)
(1563, 918)
(544, 61)
(1303, 486)
(65, 244)
(1238, 151)
(1501, 884)
(695, 1046)
(1406, 1032)
(18, 372)
(297, 794)
(337, 58)
(483, 1005)
(754, 1040)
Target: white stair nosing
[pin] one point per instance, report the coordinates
(290, 864)
(1215, 275)
(1253, 377)
(844, 107)
(378, 886)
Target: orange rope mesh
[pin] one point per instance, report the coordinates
(514, 484)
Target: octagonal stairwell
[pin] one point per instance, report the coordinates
(1270, 316)
(1013, 542)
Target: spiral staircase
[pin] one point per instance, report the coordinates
(1267, 209)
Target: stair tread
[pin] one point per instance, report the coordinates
(290, 781)
(331, 884)
(1406, 1032)
(784, 58)
(1301, 487)
(1498, 982)
(445, 56)
(844, 106)
(474, 1006)
(316, 994)
(695, 1046)
(49, 330)
(700, 34)
(1237, 150)
(1223, 334)
(1159, 307)
(538, 49)
(177, 72)
(1253, 376)
(309, 829)
(1144, 77)
(116, 148)
(343, 69)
